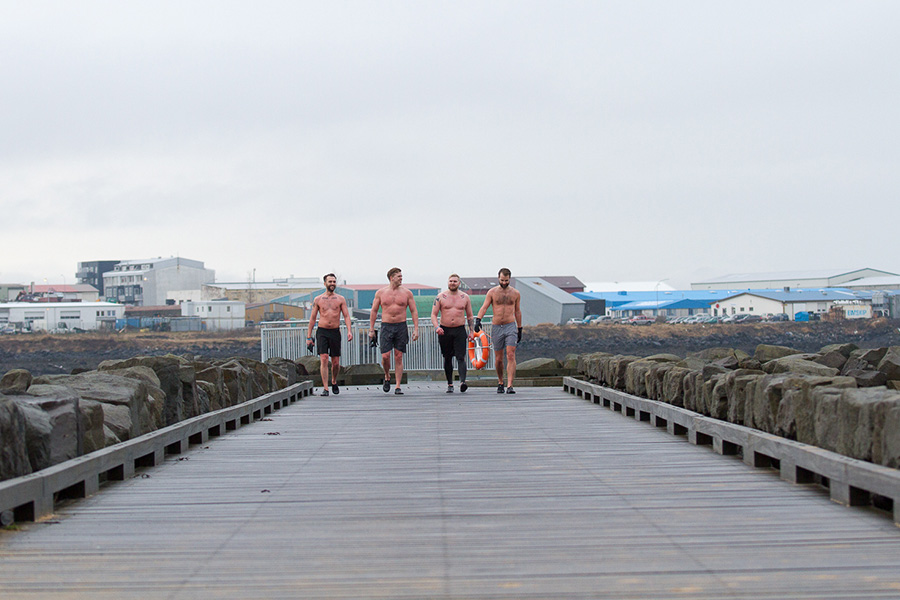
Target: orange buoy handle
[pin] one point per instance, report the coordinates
(479, 350)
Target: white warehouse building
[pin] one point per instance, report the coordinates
(60, 316)
(217, 315)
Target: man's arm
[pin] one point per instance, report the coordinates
(312, 317)
(411, 302)
(518, 319)
(373, 314)
(518, 311)
(488, 300)
(346, 312)
(469, 320)
(435, 309)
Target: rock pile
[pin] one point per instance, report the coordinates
(842, 398)
(48, 419)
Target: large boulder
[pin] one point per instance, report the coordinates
(871, 356)
(95, 430)
(890, 364)
(673, 385)
(712, 354)
(695, 388)
(13, 448)
(861, 417)
(615, 370)
(15, 381)
(288, 369)
(61, 406)
(126, 402)
(890, 439)
(867, 378)
(766, 352)
(798, 365)
(834, 359)
(176, 379)
(760, 413)
(795, 418)
(844, 349)
(365, 374)
(737, 384)
(211, 379)
(715, 394)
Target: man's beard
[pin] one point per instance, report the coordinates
(331, 287)
(504, 285)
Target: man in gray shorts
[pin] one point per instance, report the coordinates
(506, 329)
(393, 300)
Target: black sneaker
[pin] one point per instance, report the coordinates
(500, 389)
(324, 392)
(463, 387)
(387, 386)
(510, 390)
(449, 389)
(398, 392)
(335, 389)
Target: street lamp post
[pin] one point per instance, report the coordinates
(657, 294)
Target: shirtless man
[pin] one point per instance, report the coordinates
(393, 301)
(329, 307)
(455, 309)
(506, 327)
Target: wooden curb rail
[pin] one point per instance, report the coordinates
(31, 497)
(850, 482)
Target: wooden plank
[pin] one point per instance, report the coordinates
(432, 495)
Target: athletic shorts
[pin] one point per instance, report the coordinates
(504, 335)
(394, 336)
(453, 342)
(328, 341)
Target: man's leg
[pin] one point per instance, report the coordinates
(323, 371)
(386, 365)
(398, 366)
(335, 368)
(448, 368)
(498, 364)
(463, 369)
(510, 365)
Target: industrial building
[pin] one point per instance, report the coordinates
(217, 315)
(789, 279)
(59, 316)
(543, 302)
(255, 292)
(148, 282)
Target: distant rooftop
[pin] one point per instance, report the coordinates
(627, 286)
(775, 275)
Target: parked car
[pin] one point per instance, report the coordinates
(751, 319)
(573, 321)
(640, 320)
(603, 319)
(778, 318)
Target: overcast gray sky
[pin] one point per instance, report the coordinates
(607, 140)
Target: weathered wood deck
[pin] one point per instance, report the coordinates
(476, 495)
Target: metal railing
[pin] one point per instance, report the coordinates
(287, 339)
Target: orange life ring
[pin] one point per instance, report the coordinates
(479, 350)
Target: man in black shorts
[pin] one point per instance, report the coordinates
(329, 307)
(455, 310)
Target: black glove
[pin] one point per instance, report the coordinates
(477, 324)
(373, 341)
(519, 335)
(310, 344)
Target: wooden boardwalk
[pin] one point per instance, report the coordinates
(476, 495)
